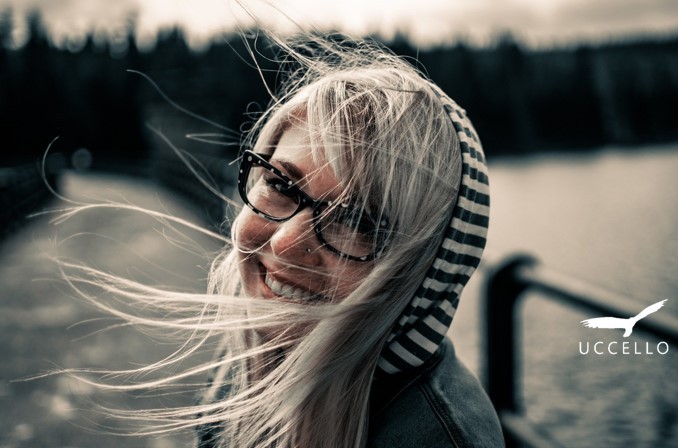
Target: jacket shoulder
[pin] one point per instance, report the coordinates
(445, 406)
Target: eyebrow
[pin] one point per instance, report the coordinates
(291, 169)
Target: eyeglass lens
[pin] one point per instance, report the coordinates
(345, 230)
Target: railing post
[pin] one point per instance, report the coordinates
(502, 291)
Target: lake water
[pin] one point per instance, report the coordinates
(610, 218)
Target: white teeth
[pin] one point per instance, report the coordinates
(287, 291)
(275, 286)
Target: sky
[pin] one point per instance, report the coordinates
(425, 22)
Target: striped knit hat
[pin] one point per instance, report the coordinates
(422, 326)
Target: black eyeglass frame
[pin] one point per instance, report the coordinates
(250, 158)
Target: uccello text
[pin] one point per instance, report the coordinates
(623, 348)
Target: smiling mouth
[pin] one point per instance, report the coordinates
(287, 291)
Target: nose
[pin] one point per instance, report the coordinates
(295, 240)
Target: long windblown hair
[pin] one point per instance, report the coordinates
(378, 124)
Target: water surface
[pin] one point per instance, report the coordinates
(611, 218)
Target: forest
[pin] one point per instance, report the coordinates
(521, 100)
(99, 97)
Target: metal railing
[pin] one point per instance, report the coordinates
(506, 284)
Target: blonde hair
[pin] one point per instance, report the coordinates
(376, 121)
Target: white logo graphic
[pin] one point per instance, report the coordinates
(622, 324)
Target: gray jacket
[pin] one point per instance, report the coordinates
(439, 405)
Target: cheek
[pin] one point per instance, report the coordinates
(347, 278)
(249, 234)
(251, 231)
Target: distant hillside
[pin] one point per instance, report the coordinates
(520, 100)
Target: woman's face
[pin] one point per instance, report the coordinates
(286, 260)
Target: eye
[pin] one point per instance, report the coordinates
(356, 221)
(351, 232)
(280, 186)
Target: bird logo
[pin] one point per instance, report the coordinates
(622, 324)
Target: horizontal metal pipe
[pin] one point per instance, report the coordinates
(578, 292)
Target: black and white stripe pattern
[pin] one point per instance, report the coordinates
(423, 324)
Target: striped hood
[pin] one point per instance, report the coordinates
(422, 326)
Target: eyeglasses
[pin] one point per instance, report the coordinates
(346, 231)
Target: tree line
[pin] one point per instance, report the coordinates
(521, 100)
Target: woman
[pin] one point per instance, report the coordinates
(366, 213)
